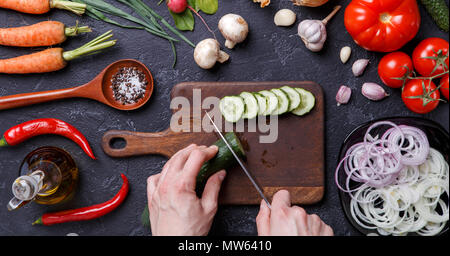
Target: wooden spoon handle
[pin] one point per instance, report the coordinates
(164, 143)
(26, 99)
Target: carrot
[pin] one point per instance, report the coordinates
(44, 33)
(52, 59)
(42, 6)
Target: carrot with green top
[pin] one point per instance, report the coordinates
(42, 6)
(54, 58)
(44, 33)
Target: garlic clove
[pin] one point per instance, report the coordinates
(373, 91)
(345, 54)
(284, 18)
(343, 95)
(359, 66)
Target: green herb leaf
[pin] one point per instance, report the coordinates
(193, 4)
(208, 6)
(184, 20)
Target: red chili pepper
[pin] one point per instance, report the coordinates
(86, 213)
(19, 133)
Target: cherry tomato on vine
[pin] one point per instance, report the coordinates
(420, 95)
(395, 65)
(382, 25)
(430, 57)
(444, 86)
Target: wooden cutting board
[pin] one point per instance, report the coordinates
(295, 161)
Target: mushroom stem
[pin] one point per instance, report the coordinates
(229, 44)
(223, 56)
(328, 18)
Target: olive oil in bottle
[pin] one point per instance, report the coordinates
(48, 175)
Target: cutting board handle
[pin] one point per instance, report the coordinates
(143, 143)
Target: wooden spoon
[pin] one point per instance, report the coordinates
(98, 89)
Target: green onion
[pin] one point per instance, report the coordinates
(92, 47)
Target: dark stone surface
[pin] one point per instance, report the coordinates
(269, 53)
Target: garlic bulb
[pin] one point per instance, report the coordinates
(284, 17)
(313, 32)
(207, 53)
(309, 3)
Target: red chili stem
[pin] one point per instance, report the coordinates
(86, 213)
(24, 131)
(204, 22)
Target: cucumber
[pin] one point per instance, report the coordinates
(251, 105)
(439, 12)
(307, 103)
(262, 103)
(224, 159)
(272, 101)
(294, 97)
(232, 108)
(283, 102)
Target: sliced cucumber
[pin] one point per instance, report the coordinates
(232, 108)
(251, 105)
(283, 102)
(262, 103)
(307, 103)
(272, 101)
(294, 97)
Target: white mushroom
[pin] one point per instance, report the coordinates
(234, 28)
(207, 53)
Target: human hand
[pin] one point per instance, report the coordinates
(286, 220)
(175, 209)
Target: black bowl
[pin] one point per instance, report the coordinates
(438, 138)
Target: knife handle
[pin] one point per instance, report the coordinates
(165, 143)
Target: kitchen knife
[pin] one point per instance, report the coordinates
(239, 161)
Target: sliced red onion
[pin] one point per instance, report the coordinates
(378, 160)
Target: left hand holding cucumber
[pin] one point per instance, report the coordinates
(173, 204)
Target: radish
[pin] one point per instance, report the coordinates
(177, 6)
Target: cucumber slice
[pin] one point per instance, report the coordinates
(262, 103)
(232, 108)
(283, 102)
(272, 101)
(307, 103)
(294, 97)
(251, 105)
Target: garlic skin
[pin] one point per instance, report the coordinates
(313, 33)
(207, 53)
(345, 54)
(234, 28)
(373, 91)
(343, 95)
(284, 18)
(309, 3)
(359, 66)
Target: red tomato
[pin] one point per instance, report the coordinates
(433, 47)
(394, 65)
(419, 100)
(444, 86)
(382, 25)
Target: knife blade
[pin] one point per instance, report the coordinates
(252, 180)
